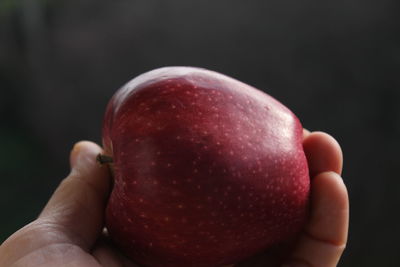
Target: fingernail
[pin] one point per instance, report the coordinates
(75, 155)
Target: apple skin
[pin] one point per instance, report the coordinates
(207, 170)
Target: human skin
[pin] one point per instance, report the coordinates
(70, 229)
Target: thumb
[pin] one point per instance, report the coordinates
(77, 206)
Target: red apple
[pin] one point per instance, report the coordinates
(207, 170)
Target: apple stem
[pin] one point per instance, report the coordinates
(103, 159)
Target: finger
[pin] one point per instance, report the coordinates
(77, 206)
(306, 133)
(325, 236)
(323, 153)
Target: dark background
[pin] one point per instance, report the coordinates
(334, 63)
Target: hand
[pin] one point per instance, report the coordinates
(68, 232)
(324, 237)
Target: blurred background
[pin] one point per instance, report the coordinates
(336, 64)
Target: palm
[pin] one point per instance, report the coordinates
(42, 243)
